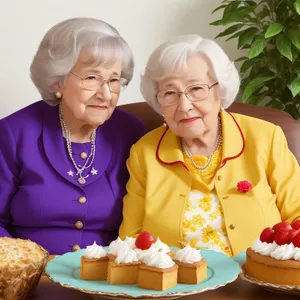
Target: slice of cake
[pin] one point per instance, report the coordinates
(192, 268)
(158, 272)
(114, 247)
(94, 262)
(275, 256)
(124, 268)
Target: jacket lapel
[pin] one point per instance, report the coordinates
(233, 138)
(169, 150)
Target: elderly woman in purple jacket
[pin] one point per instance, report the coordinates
(62, 160)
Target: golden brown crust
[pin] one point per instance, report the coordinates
(19, 253)
(87, 259)
(268, 260)
(270, 270)
(193, 265)
(158, 270)
(113, 264)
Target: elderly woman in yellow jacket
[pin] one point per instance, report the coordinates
(209, 178)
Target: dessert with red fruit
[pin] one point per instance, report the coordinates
(144, 241)
(275, 256)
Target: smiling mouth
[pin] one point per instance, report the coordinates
(189, 120)
(98, 107)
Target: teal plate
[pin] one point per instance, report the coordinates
(65, 270)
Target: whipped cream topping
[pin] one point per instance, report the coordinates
(264, 248)
(130, 242)
(159, 245)
(142, 254)
(94, 251)
(115, 245)
(158, 259)
(188, 255)
(125, 255)
(284, 252)
(297, 254)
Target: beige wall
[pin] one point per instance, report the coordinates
(143, 23)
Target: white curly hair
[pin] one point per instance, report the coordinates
(171, 57)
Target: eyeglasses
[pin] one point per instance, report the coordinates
(194, 93)
(115, 84)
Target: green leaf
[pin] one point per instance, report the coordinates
(247, 64)
(294, 35)
(256, 100)
(218, 8)
(273, 30)
(251, 3)
(297, 6)
(217, 23)
(253, 85)
(284, 46)
(241, 58)
(235, 35)
(277, 104)
(246, 36)
(292, 110)
(230, 30)
(295, 87)
(257, 47)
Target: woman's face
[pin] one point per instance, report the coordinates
(90, 107)
(188, 119)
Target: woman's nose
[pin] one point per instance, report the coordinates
(105, 92)
(184, 104)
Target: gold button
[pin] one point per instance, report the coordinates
(219, 177)
(83, 155)
(82, 200)
(79, 225)
(75, 247)
(225, 197)
(231, 226)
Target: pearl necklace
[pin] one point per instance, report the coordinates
(217, 146)
(67, 134)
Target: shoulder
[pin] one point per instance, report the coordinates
(151, 139)
(27, 116)
(122, 117)
(252, 124)
(125, 125)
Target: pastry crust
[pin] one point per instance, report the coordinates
(122, 273)
(93, 268)
(153, 278)
(268, 269)
(191, 273)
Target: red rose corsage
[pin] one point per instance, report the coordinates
(244, 186)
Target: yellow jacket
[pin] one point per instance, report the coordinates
(252, 150)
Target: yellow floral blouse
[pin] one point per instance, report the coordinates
(204, 225)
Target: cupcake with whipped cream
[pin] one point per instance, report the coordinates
(158, 271)
(192, 267)
(114, 247)
(123, 265)
(130, 242)
(94, 263)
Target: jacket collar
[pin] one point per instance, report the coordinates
(56, 152)
(169, 150)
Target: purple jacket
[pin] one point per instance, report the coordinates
(39, 197)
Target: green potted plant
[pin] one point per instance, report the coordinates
(270, 30)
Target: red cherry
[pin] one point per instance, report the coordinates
(267, 235)
(144, 240)
(292, 234)
(282, 226)
(296, 224)
(296, 240)
(282, 237)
